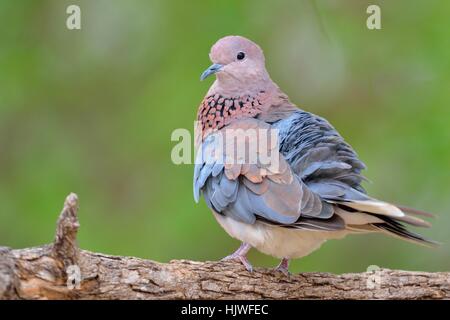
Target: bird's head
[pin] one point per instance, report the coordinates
(238, 64)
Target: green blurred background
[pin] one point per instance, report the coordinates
(92, 111)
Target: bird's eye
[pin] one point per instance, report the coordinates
(240, 55)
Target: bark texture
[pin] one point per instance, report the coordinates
(62, 271)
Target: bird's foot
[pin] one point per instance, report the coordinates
(242, 259)
(241, 256)
(283, 267)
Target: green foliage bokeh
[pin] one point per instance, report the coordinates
(92, 111)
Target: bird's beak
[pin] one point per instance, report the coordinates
(211, 70)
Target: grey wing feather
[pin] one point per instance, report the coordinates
(331, 169)
(317, 152)
(274, 199)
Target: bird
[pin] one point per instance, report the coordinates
(315, 191)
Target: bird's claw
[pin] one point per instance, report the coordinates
(242, 259)
(246, 263)
(229, 257)
(283, 267)
(283, 270)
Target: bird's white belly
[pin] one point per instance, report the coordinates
(277, 241)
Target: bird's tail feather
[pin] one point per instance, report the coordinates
(391, 219)
(396, 229)
(416, 211)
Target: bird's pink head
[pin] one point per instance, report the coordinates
(238, 64)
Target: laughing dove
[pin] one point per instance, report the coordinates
(313, 193)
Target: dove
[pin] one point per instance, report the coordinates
(314, 191)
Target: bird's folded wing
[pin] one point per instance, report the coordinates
(331, 169)
(257, 183)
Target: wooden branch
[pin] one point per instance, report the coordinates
(62, 271)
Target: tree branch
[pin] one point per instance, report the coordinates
(62, 271)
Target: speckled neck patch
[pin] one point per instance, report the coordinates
(216, 111)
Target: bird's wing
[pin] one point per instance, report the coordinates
(330, 168)
(247, 189)
(317, 153)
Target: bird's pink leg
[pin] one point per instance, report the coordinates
(283, 266)
(241, 255)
